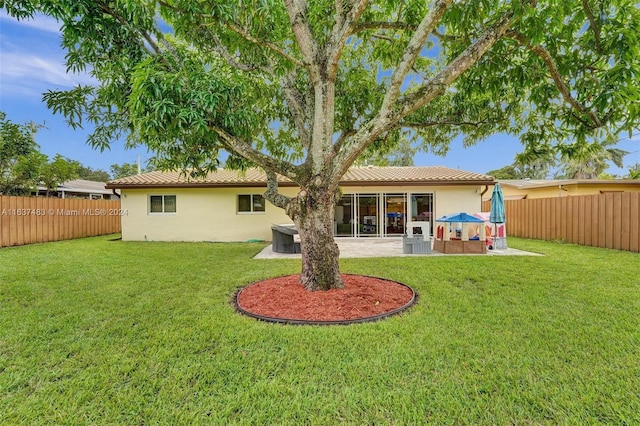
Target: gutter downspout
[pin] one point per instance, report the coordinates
(486, 188)
(560, 189)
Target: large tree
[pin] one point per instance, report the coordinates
(57, 171)
(127, 169)
(587, 160)
(20, 159)
(537, 160)
(302, 88)
(96, 175)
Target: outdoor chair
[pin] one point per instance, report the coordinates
(282, 239)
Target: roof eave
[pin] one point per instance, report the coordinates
(435, 182)
(192, 185)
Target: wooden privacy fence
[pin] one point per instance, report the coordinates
(27, 220)
(610, 220)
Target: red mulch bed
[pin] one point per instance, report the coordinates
(286, 299)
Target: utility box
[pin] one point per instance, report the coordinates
(416, 245)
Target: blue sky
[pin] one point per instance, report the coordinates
(32, 62)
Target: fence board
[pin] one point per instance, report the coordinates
(634, 222)
(608, 218)
(602, 222)
(575, 220)
(544, 219)
(564, 234)
(27, 220)
(581, 224)
(588, 224)
(5, 227)
(617, 221)
(13, 223)
(625, 224)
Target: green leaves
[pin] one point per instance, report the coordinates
(23, 167)
(193, 79)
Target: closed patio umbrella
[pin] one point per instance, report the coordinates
(497, 206)
(498, 214)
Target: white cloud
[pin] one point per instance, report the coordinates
(39, 22)
(29, 74)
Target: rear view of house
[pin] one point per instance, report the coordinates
(228, 205)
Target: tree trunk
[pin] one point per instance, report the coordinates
(320, 253)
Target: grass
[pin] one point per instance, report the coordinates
(96, 331)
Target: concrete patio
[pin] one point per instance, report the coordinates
(382, 247)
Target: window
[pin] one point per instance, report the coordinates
(162, 204)
(253, 203)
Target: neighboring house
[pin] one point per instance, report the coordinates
(228, 205)
(80, 188)
(532, 188)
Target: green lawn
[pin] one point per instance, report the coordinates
(96, 331)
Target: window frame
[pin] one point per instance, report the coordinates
(163, 212)
(251, 204)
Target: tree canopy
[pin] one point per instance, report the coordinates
(88, 173)
(128, 169)
(192, 79)
(304, 88)
(23, 167)
(18, 155)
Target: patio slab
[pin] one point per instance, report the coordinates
(382, 247)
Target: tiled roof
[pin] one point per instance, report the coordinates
(428, 174)
(355, 176)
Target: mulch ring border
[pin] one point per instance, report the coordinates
(292, 321)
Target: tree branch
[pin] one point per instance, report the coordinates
(562, 87)
(109, 11)
(593, 23)
(274, 48)
(412, 51)
(272, 193)
(219, 48)
(381, 25)
(345, 135)
(339, 17)
(429, 90)
(297, 10)
(341, 32)
(427, 124)
(297, 107)
(244, 149)
(234, 27)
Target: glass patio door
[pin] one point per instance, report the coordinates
(422, 208)
(344, 223)
(395, 214)
(368, 223)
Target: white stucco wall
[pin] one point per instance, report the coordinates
(202, 214)
(208, 214)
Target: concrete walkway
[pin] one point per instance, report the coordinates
(382, 247)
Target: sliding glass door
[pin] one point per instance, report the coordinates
(395, 214)
(422, 208)
(344, 223)
(368, 221)
(381, 215)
